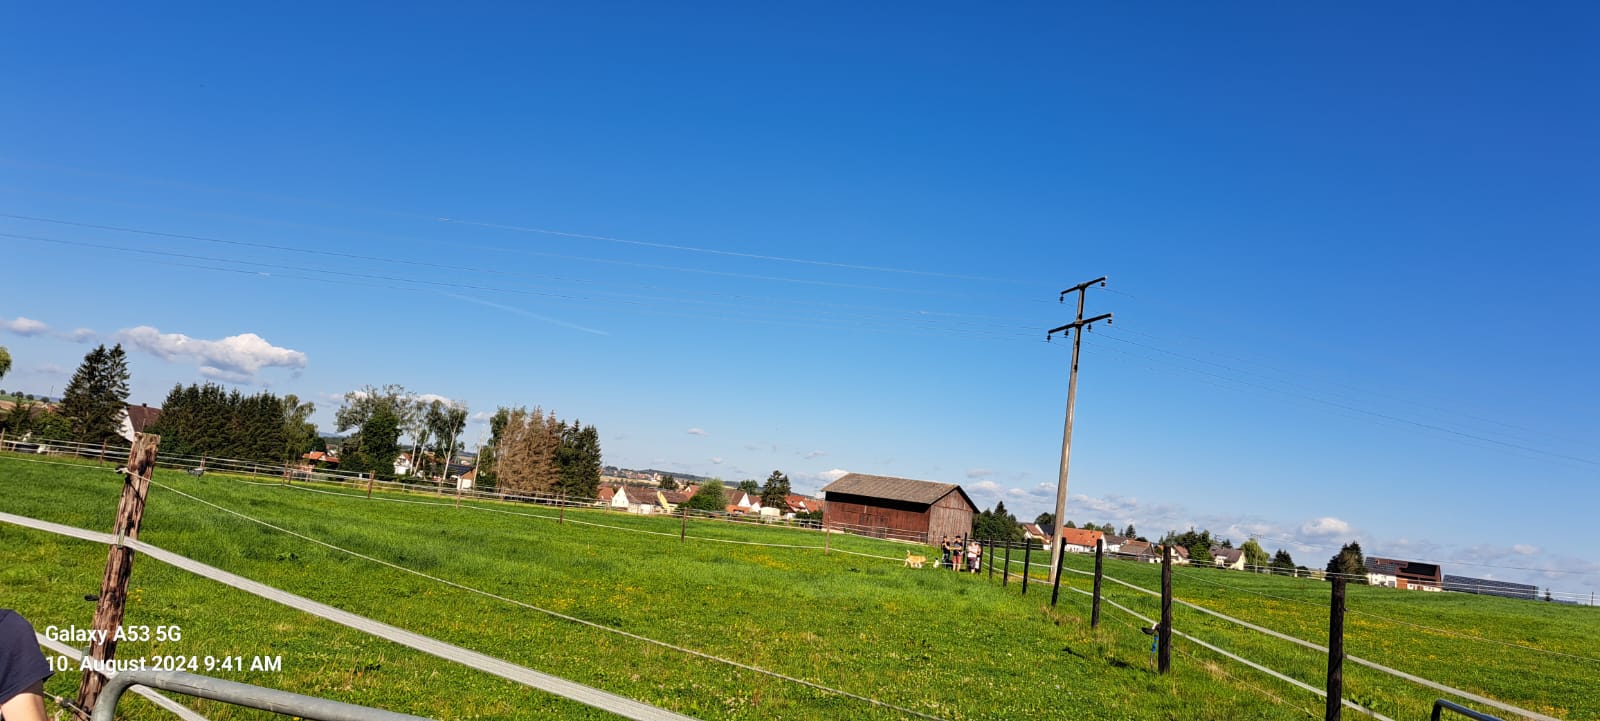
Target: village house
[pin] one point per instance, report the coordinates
(1229, 558)
(1410, 575)
(1032, 532)
(1078, 540)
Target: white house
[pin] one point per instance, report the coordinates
(1229, 558)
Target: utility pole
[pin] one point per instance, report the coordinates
(1080, 325)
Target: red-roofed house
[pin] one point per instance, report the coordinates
(1078, 540)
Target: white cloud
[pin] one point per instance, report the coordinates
(480, 417)
(815, 454)
(24, 326)
(715, 459)
(987, 486)
(431, 397)
(1325, 527)
(80, 335)
(833, 475)
(697, 432)
(236, 358)
(979, 472)
(1525, 549)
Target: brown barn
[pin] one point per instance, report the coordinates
(921, 511)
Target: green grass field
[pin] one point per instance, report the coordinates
(949, 645)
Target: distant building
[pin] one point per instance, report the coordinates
(1412, 575)
(1078, 540)
(135, 419)
(884, 506)
(1229, 558)
(1491, 587)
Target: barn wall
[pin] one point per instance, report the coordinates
(898, 516)
(950, 516)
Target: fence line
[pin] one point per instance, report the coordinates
(559, 615)
(1352, 658)
(1441, 631)
(602, 700)
(1321, 649)
(1241, 659)
(182, 711)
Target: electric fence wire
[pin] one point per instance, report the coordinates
(1324, 650)
(559, 615)
(1251, 626)
(1238, 658)
(1441, 631)
(603, 700)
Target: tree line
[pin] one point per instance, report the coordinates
(209, 420)
(532, 450)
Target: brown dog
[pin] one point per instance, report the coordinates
(915, 561)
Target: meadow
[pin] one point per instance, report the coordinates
(947, 645)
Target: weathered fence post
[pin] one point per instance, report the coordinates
(1005, 576)
(1027, 566)
(101, 460)
(458, 492)
(1336, 651)
(202, 462)
(1099, 555)
(827, 540)
(1055, 590)
(119, 564)
(561, 515)
(371, 476)
(1164, 659)
(683, 526)
(991, 559)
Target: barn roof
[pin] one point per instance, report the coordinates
(899, 489)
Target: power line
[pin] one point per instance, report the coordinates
(437, 218)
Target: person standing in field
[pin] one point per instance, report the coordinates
(974, 554)
(22, 670)
(952, 551)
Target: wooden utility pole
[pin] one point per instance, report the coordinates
(1336, 651)
(119, 565)
(1164, 631)
(1079, 325)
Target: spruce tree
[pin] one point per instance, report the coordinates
(776, 493)
(97, 395)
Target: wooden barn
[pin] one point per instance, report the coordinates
(902, 508)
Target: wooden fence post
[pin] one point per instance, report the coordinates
(1099, 554)
(683, 526)
(561, 515)
(119, 564)
(202, 462)
(1027, 566)
(827, 540)
(1164, 659)
(371, 476)
(991, 559)
(1005, 576)
(1336, 651)
(101, 460)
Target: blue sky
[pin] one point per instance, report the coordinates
(1351, 249)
